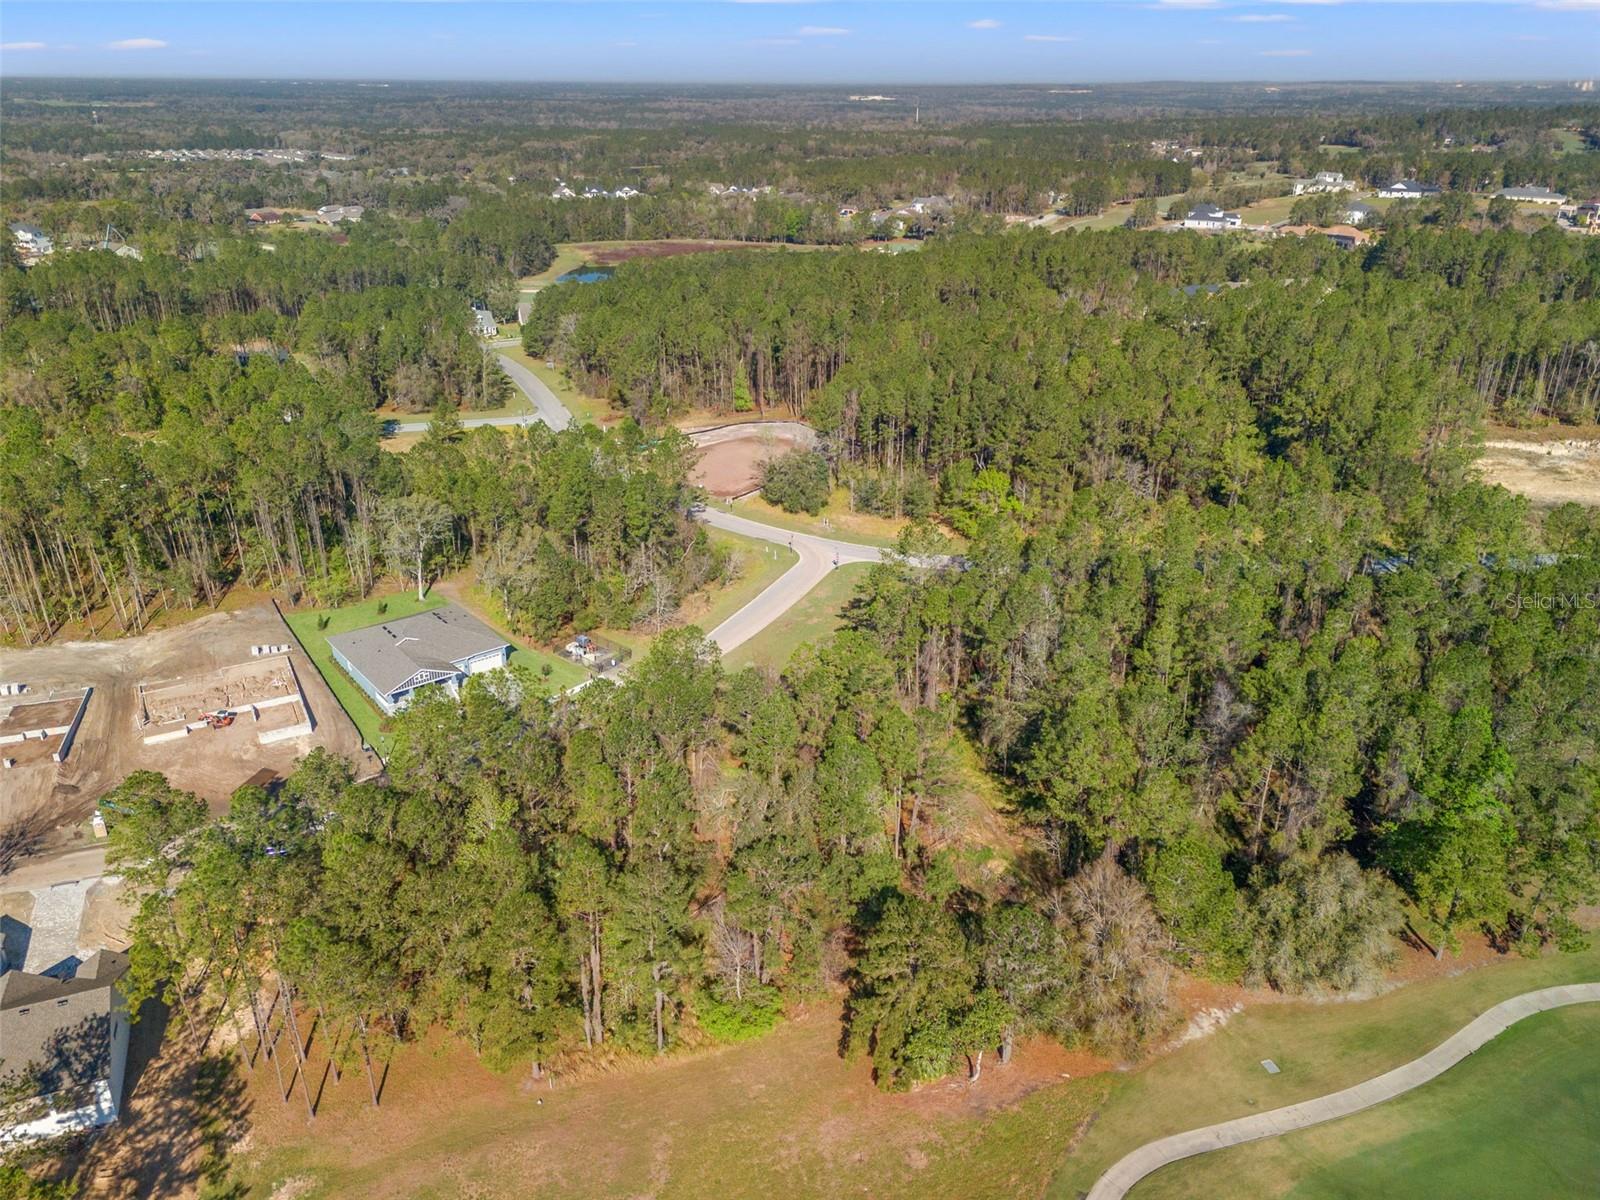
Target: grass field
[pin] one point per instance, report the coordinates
(591, 410)
(1320, 1048)
(813, 620)
(835, 521)
(784, 1115)
(400, 604)
(1520, 1118)
(1266, 212)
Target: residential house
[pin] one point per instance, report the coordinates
(483, 323)
(32, 242)
(64, 1039)
(1347, 237)
(393, 660)
(1532, 195)
(1357, 213)
(1324, 181)
(332, 214)
(263, 216)
(1409, 189)
(1209, 216)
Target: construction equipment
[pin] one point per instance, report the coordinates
(220, 719)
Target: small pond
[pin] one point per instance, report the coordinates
(587, 273)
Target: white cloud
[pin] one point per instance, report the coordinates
(138, 44)
(1285, 53)
(822, 31)
(1046, 37)
(23, 46)
(986, 23)
(1259, 18)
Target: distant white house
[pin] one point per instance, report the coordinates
(483, 322)
(32, 242)
(1408, 189)
(1209, 216)
(1323, 181)
(1357, 213)
(1532, 195)
(332, 214)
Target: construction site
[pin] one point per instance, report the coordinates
(212, 704)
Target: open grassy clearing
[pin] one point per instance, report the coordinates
(354, 701)
(1568, 142)
(835, 521)
(815, 619)
(568, 256)
(591, 410)
(1269, 211)
(1521, 1118)
(1320, 1048)
(783, 1115)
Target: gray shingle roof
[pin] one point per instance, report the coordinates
(60, 1027)
(391, 652)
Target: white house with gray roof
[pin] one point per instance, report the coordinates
(1532, 195)
(393, 660)
(63, 1046)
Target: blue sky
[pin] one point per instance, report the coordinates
(775, 41)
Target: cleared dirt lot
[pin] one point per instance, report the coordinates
(731, 455)
(53, 800)
(1549, 470)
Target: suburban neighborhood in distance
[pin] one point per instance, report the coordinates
(797, 600)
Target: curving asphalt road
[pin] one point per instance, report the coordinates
(818, 556)
(1129, 1170)
(546, 406)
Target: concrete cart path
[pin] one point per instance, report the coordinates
(1116, 1182)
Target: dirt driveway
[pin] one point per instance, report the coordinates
(729, 463)
(47, 803)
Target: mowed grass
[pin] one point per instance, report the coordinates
(350, 695)
(1320, 1048)
(834, 521)
(1520, 1118)
(591, 410)
(781, 1116)
(815, 620)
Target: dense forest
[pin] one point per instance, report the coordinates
(1268, 680)
(1237, 669)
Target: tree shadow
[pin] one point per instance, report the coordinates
(21, 838)
(182, 1110)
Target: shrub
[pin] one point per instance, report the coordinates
(739, 1020)
(796, 482)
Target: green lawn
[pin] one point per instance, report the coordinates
(1320, 1048)
(400, 604)
(592, 410)
(813, 620)
(834, 521)
(1520, 1118)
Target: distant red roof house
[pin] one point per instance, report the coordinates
(263, 216)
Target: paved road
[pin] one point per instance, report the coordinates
(1116, 1182)
(818, 556)
(546, 406)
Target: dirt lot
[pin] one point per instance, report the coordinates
(731, 455)
(54, 800)
(1549, 467)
